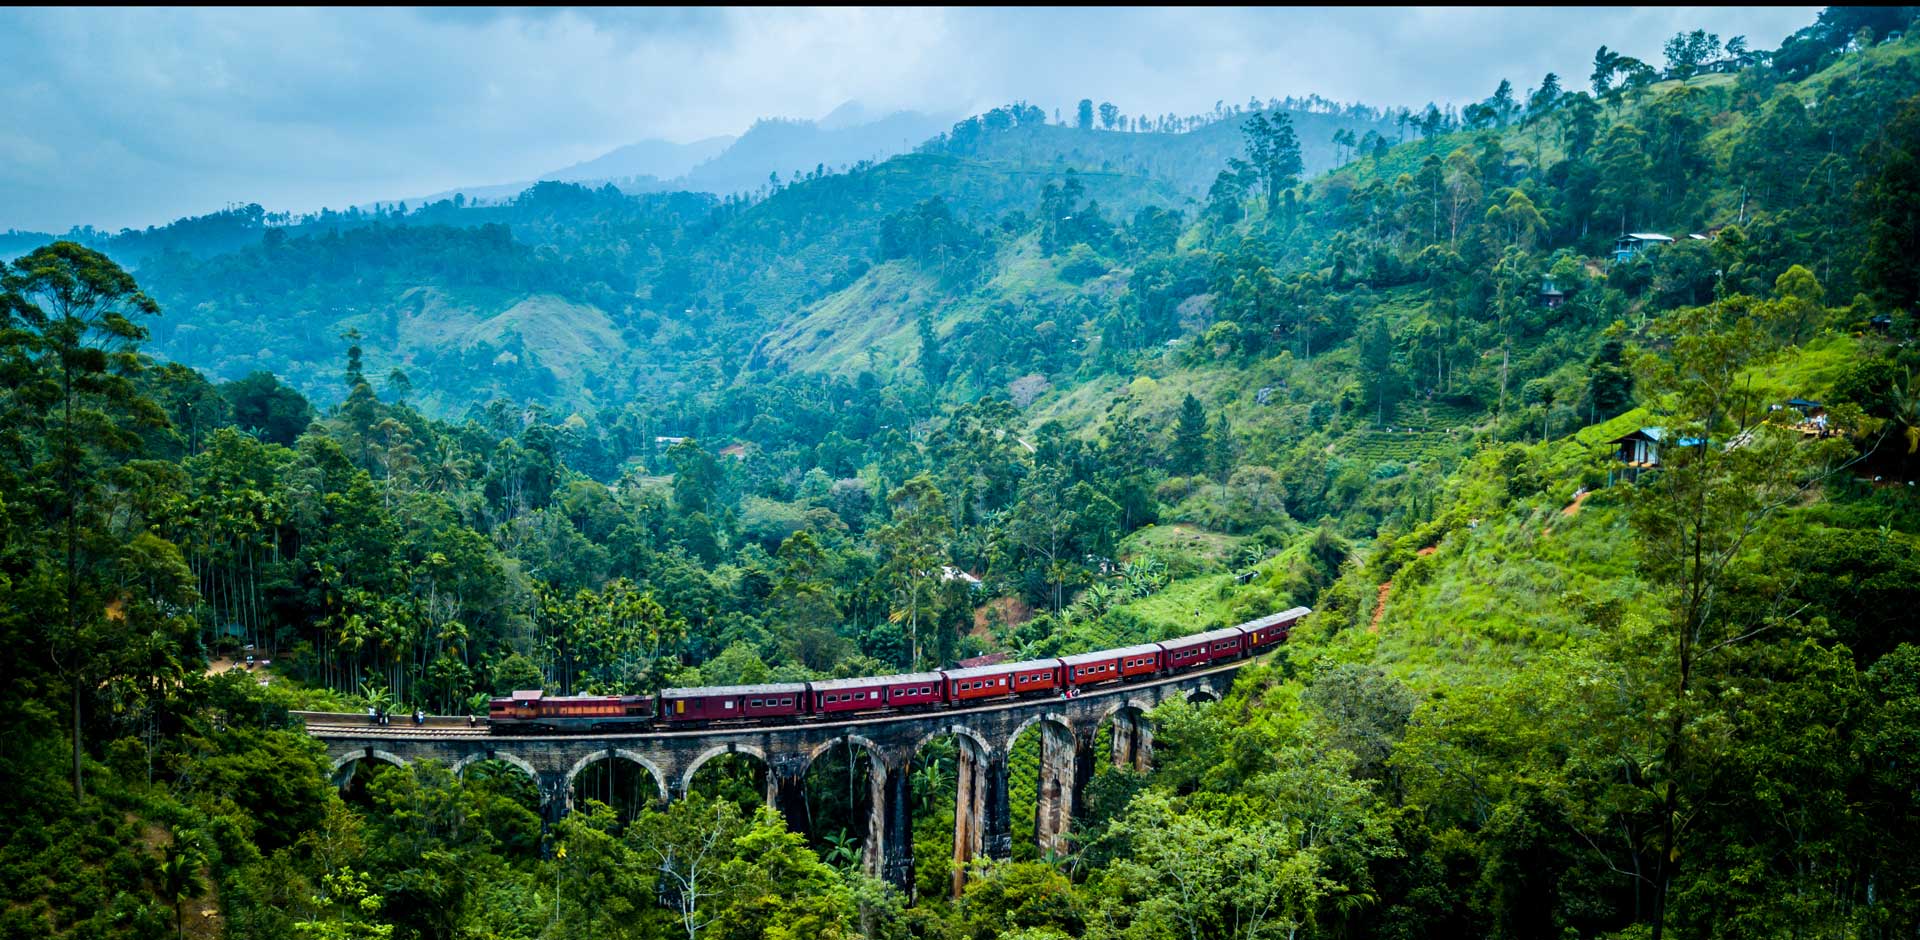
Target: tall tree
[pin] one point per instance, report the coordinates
(1274, 152)
(1890, 200)
(70, 336)
(1694, 520)
(1189, 453)
(915, 546)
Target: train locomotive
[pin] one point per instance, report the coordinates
(533, 711)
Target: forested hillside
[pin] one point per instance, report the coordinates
(597, 442)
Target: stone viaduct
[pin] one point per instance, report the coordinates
(983, 818)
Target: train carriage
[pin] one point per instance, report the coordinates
(733, 702)
(1090, 668)
(913, 689)
(1037, 676)
(1142, 660)
(1189, 652)
(1272, 629)
(835, 696)
(1225, 643)
(985, 682)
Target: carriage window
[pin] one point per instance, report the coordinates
(754, 704)
(727, 705)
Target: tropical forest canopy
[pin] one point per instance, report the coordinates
(1140, 376)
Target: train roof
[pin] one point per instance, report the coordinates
(1001, 669)
(537, 695)
(1209, 636)
(1271, 620)
(1136, 650)
(867, 682)
(776, 688)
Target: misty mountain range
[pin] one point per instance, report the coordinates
(729, 164)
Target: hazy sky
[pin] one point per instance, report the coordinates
(134, 117)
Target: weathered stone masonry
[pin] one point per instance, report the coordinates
(983, 818)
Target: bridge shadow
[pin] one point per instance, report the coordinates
(836, 804)
(354, 779)
(933, 782)
(1036, 791)
(622, 784)
(738, 776)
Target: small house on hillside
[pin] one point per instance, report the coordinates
(1640, 450)
(1629, 245)
(950, 573)
(1811, 416)
(1551, 295)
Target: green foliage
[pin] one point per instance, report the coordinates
(633, 441)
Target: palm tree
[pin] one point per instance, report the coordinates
(180, 874)
(378, 696)
(1906, 411)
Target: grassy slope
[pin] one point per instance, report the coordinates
(875, 316)
(1528, 577)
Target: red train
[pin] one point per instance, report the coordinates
(951, 688)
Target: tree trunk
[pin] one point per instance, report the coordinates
(77, 791)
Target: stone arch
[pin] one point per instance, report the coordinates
(1055, 718)
(975, 798)
(371, 753)
(566, 782)
(982, 748)
(874, 750)
(502, 756)
(1203, 693)
(693, 766)
(1120, 705)
(1066, 759)
(1129, 733)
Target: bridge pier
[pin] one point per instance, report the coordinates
(555, 800)
(1132, 740)
(969, 809)
(888, 853)
(787, 790)
(996, 824)
(1058, 787)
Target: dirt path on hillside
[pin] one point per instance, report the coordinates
(1386, 587)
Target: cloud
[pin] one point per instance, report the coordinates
(136, 116)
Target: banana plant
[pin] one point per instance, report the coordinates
(843, 850)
